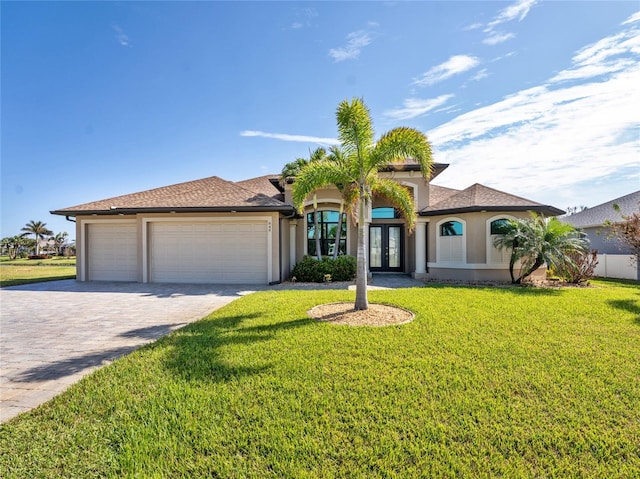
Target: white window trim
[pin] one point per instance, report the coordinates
(309, 209)
(204, 219)
(489, 246)
(449, 264)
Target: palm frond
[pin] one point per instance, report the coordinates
(399, 197)
(401, 144)
(355, 130)
(315, 175)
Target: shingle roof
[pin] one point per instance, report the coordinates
(440, 193)
(597, 215)
(478, 197)
(264, 185)
(206, 194)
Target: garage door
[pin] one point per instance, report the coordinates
(209, 253)
(112, 252)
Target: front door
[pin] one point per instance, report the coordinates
(386, 247)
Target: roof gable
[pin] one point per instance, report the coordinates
(597, 215)
(478, 197)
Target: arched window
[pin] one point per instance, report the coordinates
(451, 228)
(451, 242)
(496, 226)
(327, 229)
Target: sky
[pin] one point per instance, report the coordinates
(536, 98)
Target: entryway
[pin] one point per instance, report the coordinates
(386, 250)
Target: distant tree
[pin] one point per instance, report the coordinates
(627, 231)
(59, 239)
(39, 230)
(536, 241)
(12, 245)
(571, 210)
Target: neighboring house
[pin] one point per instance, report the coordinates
(217, 231)
(592, 222)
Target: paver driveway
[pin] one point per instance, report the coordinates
(52, 334)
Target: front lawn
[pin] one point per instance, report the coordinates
(505, 382)
(23, 273)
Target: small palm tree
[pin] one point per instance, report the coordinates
(355, 173)
(38, 229)
(59, 240)
(536, 241)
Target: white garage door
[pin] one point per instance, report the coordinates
(209, 253)
(112, 252)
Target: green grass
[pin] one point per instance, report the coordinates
(506, 382)
(16, 274)
(52, 261)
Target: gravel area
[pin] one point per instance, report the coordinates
(376, 315)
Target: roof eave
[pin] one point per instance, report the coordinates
(204, 209)
(544, 209)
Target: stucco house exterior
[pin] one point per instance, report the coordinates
(613, 255)
(247, 232)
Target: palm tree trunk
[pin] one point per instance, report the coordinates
(362, 302)
(539, 262)
(315, 227)
(336, 246)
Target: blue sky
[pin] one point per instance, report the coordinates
(537, 98)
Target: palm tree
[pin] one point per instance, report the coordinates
(59, 240)
(536, 241)
(357, 174)
(38, 229)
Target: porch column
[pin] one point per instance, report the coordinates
(292, 243)
(421, 247)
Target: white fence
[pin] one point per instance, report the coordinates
(620, 266)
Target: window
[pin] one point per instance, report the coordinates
(499, 227)
(385, 213)
(451, 228)
(327, 228)
(451, 242)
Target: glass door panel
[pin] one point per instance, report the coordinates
(375, 247)
(394, 238)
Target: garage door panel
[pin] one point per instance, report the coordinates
(209, 252)
(112, 252)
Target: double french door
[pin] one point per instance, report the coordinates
(386, 247)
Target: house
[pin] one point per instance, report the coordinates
(217, 231)
(614, 261)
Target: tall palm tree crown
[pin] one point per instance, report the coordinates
(38, 229)
(354, 169)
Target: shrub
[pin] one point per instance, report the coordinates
(313, 270)
(579, 267)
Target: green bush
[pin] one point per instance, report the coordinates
(312, 270)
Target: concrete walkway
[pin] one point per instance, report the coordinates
(54, 333)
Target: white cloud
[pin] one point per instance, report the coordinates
(632, 19)
(121, 37)
(494, 38)
(550, 138)
(453, 66)
(287, 137)
(608, 55)
(414, 107)
(355, 42)
(480, 75)
(518, 10)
